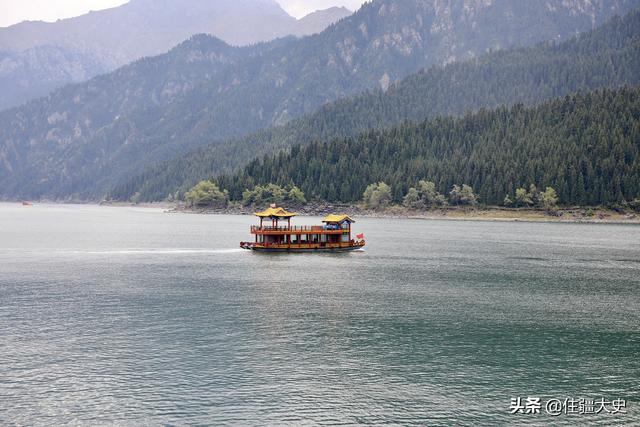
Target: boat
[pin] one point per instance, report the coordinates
(26, 203)
(334, 235)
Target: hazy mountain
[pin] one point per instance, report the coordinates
(39, 70)
(606, 57)
(82, 139)
(317, 21)
(102, 41)
(149, 27)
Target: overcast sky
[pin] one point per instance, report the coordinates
(14, 11)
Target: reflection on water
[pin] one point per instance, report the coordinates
(127, 316)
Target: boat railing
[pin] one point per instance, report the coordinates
(294, 228)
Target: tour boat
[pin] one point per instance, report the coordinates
(333, 236)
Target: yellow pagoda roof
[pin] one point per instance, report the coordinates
(276, 212)
(337, 218)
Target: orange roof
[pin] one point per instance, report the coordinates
(275, 212)
(337, 218)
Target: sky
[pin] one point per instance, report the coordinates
(14, 11)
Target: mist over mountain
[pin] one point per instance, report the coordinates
(102, 41)
(82, 139)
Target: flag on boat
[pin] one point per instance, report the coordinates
(360, 236)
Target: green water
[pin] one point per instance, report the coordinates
(133, 316)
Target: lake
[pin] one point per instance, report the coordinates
(133, 316)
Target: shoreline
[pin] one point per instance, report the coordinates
(578, 215)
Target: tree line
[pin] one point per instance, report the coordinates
(376, 196)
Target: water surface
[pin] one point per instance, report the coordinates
(134, 316)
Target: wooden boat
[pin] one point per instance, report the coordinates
(26, 203)
(333, 236)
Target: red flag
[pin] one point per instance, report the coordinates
(360, 236)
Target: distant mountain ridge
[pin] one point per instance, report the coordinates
(142, 28)
(81, 140)
(318, 21)
(102, 41)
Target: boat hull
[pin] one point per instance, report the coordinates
(297, 249)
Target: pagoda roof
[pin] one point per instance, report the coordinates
(275, 212)
(337, 218)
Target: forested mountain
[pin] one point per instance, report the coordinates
(586, 146)
(606, 57)
(79, 141)
(114, 37)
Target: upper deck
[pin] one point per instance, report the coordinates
(304, 229)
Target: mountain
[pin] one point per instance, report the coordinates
(110, 106)
(586, 146)
(104, 40)
(606, 57)
(317, 21)
(82, 139)
(150, 27)
(39, 70)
